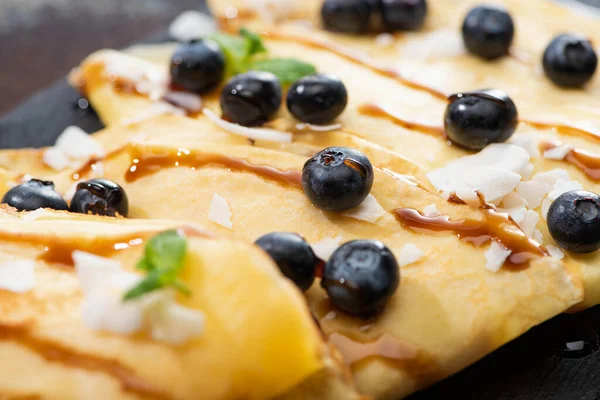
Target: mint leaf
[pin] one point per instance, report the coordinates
(165, 251)
(288, 70)
(256, 44)
(236, 50)
(164, 257)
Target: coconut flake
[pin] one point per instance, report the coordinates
(370, 210)
(528, 143)
(551, 177)
(496, 256)
(431, 211)
(76, 143)
(191, 25)
(384, 39)
(537, 236)
(533, 192)
(440, 43)
(190, 102)
(219, 212)
(155, 109)
(514, 200)
(559, 152)
(318, 128)
(104, 284)
(494, 172)
(56, 159)
(517, 214)
(325, 248)
(252, 133)
(529, 222)
(409, 254)
(17, 276)
(555, 252)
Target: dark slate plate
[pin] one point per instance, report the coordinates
(557, 360)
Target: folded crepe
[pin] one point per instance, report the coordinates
(391, 112)
(172, 172)
(257, 338)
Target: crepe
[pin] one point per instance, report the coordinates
(43, 336)
(449, 310)
(448, 290)
(413, 107)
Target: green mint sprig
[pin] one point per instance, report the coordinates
(247, 51)
(163, 259)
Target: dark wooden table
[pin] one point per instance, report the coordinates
(41, 40)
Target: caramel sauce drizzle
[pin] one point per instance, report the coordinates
(356, 58)
(379, 111)
(587, 162)
(477, 232)
(56, 353)
(423, 368)
(93, 162)
(144, 164)
(564, 129)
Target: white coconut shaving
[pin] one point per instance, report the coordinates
(219, 212)
(559, 152)
(431, 211)
(496, 256)
(73, 147)
(326, 247)
(409, 254)
(17, 276)
(384, 39)
(370, 210)
(251, 133)
(318, 128)
(439, 43)
(555, 252)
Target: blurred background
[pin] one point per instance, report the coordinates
(41, 40)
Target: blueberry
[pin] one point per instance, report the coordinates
(317, 99)
(361, 276)
(488, 32)
(30, 196)
(403, 15)
(100, 197)
(293, 255)
(348, 16)
(574, 221)
(570, 60)
(251, 99)
(198, 66)
(337, 178)
(475, 119)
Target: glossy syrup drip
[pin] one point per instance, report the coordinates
(564, 129)
(145, 164)
(494, 226)
(421, 367)
(357, 59)
(375, 110)
(60, 354)
(93, 162)
(588, 163)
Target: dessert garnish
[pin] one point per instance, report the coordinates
(574, 221)
(198, 66)
(219, 212)
(488, 31)
(251, 99)
(100, 197)
(360, 277)
(317, 99)
(34, 194)
(570, 60)
(337, 178)
(163, 260)
(293, 255)
(475, 119)
(73, 147)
